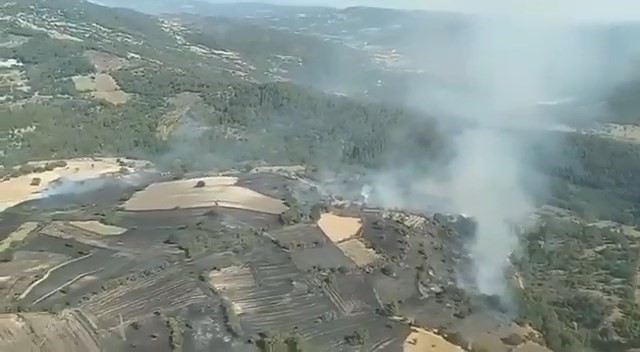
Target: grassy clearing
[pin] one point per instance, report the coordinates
(202, 192)
(339, 228)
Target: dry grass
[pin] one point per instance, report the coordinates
(421, 340)
(116, 97)
(339, 228)
(105, 83)
(18, 235)
(105, 62)
(19, 189)
(358, 252)
(64, 332)
(217, 191)
(99, 228)
(101, 86)
(84, 83)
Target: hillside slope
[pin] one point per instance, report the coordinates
(81, 79)
(194, 92)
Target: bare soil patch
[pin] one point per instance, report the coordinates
(99, 228)
(105, 83)
(216, 191)
(339, 228)
(18, 235)
(421, 340)
(32, 331)
(358, 252)
(105, 62)
(101, 86)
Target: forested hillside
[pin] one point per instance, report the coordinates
(203, 92)
(84, 92)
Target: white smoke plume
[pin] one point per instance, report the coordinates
(506, 67)
(511, 64)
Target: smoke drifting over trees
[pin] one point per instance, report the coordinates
(505, 69)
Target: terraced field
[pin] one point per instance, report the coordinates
(209, 262)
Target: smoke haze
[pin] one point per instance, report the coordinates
(493, 75)
(506, 66)
(591, 10)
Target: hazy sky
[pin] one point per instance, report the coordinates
(583, 9)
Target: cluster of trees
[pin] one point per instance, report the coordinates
(73, 128)
(593, 176)
(287, 123)
(576, 276)
(303, 125)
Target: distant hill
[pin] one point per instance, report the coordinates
(82, 79)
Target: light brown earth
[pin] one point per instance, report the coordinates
(421, 340)
(101, 86)
(339, 228)
(218, 191)
(18, 235)
(105, 62)
(105, 83)
(99, 228)
(19, 189)
(37, 332)
(358, 252)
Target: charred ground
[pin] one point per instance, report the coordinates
(90, 275)
(85, 271)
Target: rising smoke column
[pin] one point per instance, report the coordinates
(510, 64)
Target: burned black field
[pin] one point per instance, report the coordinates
(260, 271)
